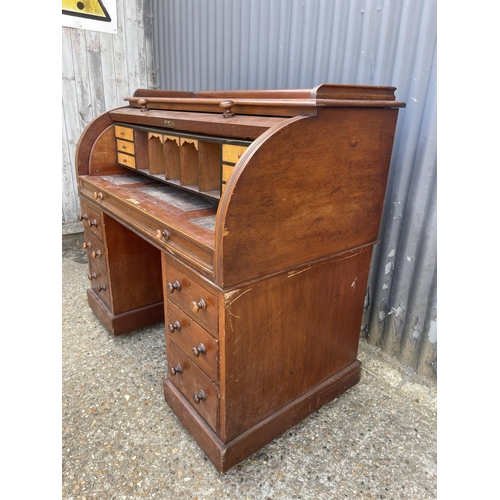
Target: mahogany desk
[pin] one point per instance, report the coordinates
(245, 220)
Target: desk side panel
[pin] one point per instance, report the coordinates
(307, 189)
(96, 147)
(286, 334)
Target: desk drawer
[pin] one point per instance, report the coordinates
(95, 248)
(195, 300)
(194, 341)
(126, 133)
(125, 147)
(147, 225)
(227, 171)
(195, 386)
(91, 219)
(98, 269)
(101, 287)
(99, 280)
(232, 153)
(127, 160)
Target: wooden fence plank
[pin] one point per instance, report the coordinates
(98, 71)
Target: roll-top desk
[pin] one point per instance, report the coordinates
(245, 220)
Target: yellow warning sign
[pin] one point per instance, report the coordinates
(87, 9)
(94, 15)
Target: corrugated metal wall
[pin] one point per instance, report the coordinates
(257, 44)
(98, 71)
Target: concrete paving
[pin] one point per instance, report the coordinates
(121, 441)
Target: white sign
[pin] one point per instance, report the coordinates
(94, 15)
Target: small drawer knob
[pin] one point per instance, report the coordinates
(92, 223)
(101, 288)
(196, 306)
(174, 370)
(98, 196)
(172, 287)
(97, 253)
(87, 244)
(162, 234)
(199, 350)
(92, 276)
(174, 326)
(199, 396)
(82, 217)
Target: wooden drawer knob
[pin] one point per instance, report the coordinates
(98, 196)
(174, 326)
(162, 234)
(82, 217)
(199, 350)
(199, 396)
(172, 287)
(97, 253)
(87, 244)
(101, 288)
(92, 223)
(174, 370)
(92, 276)
(196, 306)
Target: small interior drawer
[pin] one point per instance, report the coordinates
(126, 160)
(195, 342)
(124, 133)
(125, 147)
(227, 171)
(232, 153)
(196, 387)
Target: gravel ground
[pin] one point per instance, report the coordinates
(120, 440)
